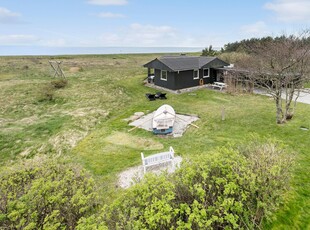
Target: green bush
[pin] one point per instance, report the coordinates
(146, 206)
(272, 167)
(60, 83)
(227, 188)
(46, 194)
(47, 93)
(48, 90)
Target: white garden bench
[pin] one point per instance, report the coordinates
(158, 158)
(219, 85)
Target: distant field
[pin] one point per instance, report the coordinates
(85, 121)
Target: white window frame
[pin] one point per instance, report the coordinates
(196, 70)
(161, 75)
(203, 72)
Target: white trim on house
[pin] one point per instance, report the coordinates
(161, 75)
(196, 71)
(203, 73)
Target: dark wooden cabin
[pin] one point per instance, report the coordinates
(179, 72)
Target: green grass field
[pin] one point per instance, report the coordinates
(85, 122)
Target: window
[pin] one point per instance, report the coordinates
(196, 74)
(206, 73)
(163, 75)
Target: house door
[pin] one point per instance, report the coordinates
(206, 75)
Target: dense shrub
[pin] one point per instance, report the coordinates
(48, 90)
(45, 194)
(47, 93)
(271, 166)
(147, 206)
(229, 188)
(60, 83)
(223, 189)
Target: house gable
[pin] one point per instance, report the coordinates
(215, 63)
(157, 64)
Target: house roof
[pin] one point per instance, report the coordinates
(180, 63)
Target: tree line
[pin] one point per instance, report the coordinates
(246, 45)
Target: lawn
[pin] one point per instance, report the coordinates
(85, 121)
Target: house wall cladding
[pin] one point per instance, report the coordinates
(183, 79)
(169, 84)
(175, 80)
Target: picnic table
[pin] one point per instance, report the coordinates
(219, 85)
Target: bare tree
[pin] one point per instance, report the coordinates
(281, 67)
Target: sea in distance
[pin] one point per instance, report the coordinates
(43, 50)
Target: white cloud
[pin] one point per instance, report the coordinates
(151, 35)
(110, 15)
(110, 39)
(140, 35)
(107, 2)
(290, 10)
(8, 17)
(257, 29)
(18, 39)
(59, 42)
(143, 35)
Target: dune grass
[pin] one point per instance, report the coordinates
(85, 121)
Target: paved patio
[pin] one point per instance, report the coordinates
(180, 125)
(134, 175)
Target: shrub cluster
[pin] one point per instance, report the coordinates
(58, 84)
(45, 195)
(48, 91)
(229, 188)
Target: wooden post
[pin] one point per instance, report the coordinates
(56, 67)
(223, 113)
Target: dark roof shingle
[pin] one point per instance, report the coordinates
(180, 63)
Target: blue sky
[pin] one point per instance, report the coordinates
(147, 23)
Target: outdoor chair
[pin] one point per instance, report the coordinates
(150, 96)
(161, 95)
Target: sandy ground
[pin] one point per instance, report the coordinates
(133, 175)
(180, 125)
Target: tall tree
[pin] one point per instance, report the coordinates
(209, 51)
(281, 67)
